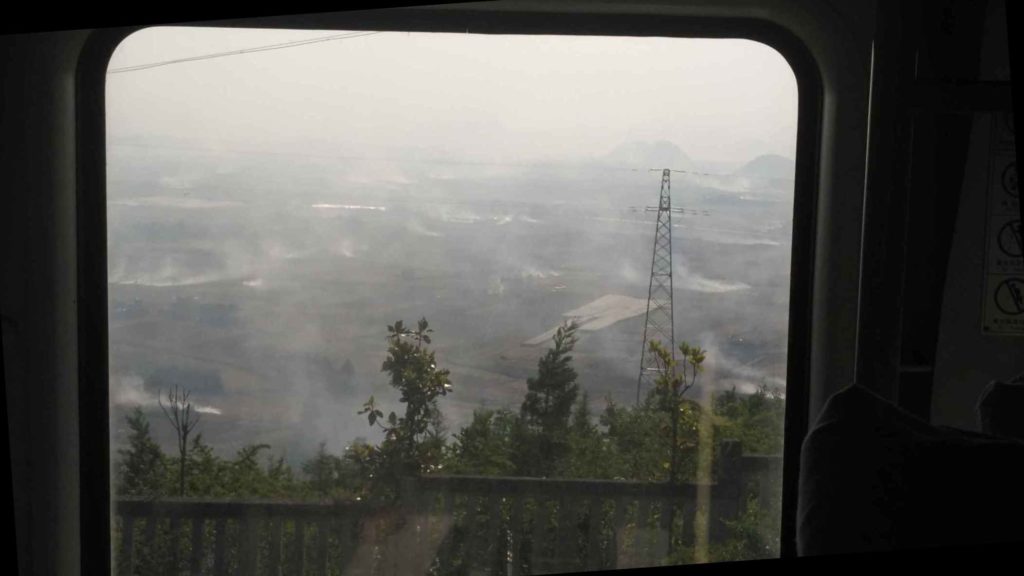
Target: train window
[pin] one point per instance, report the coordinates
(399, 303)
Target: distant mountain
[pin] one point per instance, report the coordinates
(658, 154)
(770, 166)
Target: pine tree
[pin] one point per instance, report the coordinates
(280, 478)
(548, 404)
(487, 445)
(207, 473)
(634, 440)
(757, 420)
(246, 477)
(322, 472)
(141, 470)
(587, 456)
(348, 376)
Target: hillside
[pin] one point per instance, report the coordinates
(656, 154)
(771, 166)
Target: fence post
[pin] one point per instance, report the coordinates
(274, 562)
(496, 551)
(196, 553)
(247, 545)
(128, 544)
(153, 555)
(447, 548)
(727, 492)
(172, 568)
(516, 521)
(407, 521)
(219, 544)
(595, 510)
(322, 535)
(619, 534)
(300, 545)
(539, 539)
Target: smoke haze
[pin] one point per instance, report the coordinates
(271, 213)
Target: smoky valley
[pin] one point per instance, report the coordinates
(264, 283)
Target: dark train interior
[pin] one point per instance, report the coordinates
(905, 369)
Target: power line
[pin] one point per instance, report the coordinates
(686, 172)
(265, 48)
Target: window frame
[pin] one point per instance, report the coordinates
(93, 353)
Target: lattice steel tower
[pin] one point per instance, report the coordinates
(659, 325)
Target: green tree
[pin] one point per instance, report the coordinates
(280, 479)
(412, 442)
(633, 435)
(245, 476)
(323, 473)
(587, 454)
(675, 379)
(358, 465)
(486, 446)
(211, 476)
(141, 467)
(548, 404)
(344, 382)
(757, 420)
(207, 473)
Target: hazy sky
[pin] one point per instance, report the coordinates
(467, 97)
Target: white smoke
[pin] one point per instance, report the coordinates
(729, 373)
(346, 247)
(691, 281)
(417, 227)
(183, 202)
(130, 390)
(349, 207)
(631, 274)
(529, 271)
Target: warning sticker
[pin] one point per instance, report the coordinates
(1004, 129)
(1005, 248)
(1008, 180)
(1005, 311)
(1003, 306)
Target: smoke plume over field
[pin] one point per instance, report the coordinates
(270, 214)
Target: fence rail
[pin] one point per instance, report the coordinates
(457, 525)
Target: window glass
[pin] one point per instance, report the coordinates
(399, 303)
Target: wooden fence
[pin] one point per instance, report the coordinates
(443, 525)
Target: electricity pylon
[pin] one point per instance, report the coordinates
(660, 322)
